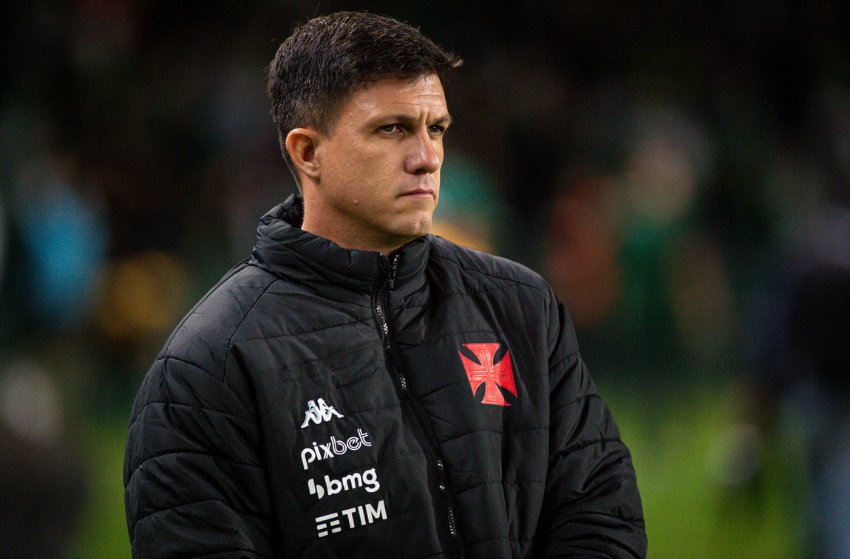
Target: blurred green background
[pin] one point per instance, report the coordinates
(679, 172)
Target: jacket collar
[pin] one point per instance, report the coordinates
(324, 267)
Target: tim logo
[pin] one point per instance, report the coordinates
(319, 413)
(354, 517)
(367, 480)
(484, 369)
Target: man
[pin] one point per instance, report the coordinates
(358, 387)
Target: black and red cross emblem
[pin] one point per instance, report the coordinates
(493, 375)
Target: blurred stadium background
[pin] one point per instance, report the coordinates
(679, 171)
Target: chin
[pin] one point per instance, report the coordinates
(424, 229)
(415, 228)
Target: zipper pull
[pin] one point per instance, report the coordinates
(393, 269)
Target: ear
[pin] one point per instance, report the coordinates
(301, 145)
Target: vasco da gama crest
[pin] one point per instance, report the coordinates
(485, 370)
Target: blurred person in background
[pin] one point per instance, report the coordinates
(646, 282)
(42, 478)
(802, 360)
(800, 353)
(360, 387)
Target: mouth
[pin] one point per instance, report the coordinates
(417, 192)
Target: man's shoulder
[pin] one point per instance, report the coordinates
(203, 336)
(473, 266)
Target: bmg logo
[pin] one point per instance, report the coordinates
(367, 479)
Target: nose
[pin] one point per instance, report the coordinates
(425, 155)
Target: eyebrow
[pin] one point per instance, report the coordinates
(408, 120)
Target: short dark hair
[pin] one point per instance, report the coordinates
(329, 57)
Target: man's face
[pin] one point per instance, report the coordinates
(379, 169)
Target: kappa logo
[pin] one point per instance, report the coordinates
(334, 447)
(486, 371)
(319, 413)
(355, 517)
(368, 480)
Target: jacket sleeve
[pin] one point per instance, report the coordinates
(195, 484)
(592, 507)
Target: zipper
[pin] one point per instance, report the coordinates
(384, 287)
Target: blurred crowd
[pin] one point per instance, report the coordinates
(679, 172)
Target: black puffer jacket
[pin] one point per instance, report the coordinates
(323, 402)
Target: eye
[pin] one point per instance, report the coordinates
(437, 129)
(391, 128)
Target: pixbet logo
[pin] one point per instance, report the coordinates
(356, 516)
(334, 447)
(367, 480)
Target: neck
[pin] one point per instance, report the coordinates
(349, 235)
(348, 238)
(326, 222)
